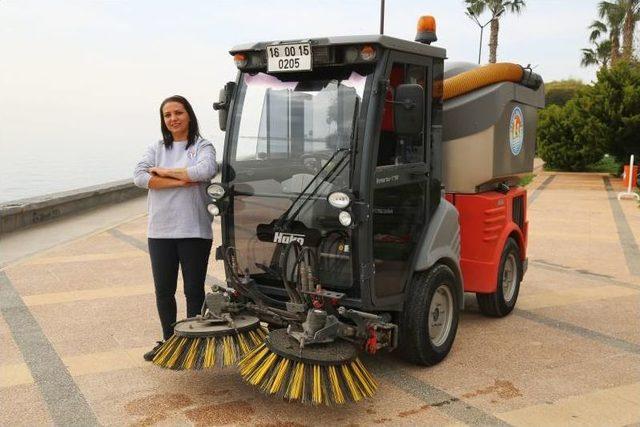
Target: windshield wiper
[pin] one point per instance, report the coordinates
(284, 219)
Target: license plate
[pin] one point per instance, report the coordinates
(289, 57)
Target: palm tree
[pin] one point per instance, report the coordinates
(609, 28)
(600, 55)
(622, 16)
(496, 8)
(631, 10)
(611, 35)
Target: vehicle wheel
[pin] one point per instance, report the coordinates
(503, 300)
(429, 320)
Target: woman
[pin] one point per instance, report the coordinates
(176, 170)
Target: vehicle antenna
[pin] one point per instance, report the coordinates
(381, 16)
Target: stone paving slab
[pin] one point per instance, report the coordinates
(568, 355)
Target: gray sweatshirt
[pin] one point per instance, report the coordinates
(177, 213)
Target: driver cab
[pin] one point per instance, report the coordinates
(358, 120)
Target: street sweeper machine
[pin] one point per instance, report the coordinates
(365, 186)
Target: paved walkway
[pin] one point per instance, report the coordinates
(77, 318)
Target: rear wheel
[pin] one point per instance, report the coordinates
(430, 316)
(502, 302)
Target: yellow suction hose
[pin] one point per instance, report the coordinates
(480, 77)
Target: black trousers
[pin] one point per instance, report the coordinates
(166, 254)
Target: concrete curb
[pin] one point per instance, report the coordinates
(23, 213)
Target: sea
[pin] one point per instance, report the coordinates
(45, 167)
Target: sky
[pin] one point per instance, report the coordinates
(81, 80)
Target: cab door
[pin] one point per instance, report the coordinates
(399, 205)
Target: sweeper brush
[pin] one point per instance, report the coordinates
(323, 374)
(200, 343)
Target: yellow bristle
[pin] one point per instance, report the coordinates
(317, 385)
(175, 346)
(252, 359)
(351, 384)
(279, 377)
(228, 351)
(175, 355)
(165, 350)
(336, 390)
(306, 383)
(257, 336)
(259, 374)
(192, 354)
(243, 344)
(180, 352)
(210, 353)
(367, 374)
(294, 391)
(366, 381)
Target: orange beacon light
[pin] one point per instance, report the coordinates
(426, 30)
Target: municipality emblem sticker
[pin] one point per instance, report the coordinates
(516, 131)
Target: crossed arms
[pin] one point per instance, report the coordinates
(148, 175)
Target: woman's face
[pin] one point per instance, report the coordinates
(176, 119)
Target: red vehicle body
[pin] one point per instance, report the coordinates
(487, 220)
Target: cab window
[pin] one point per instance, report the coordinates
(394, 148)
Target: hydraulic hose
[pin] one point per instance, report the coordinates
(487, 75)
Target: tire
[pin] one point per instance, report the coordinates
(436, 286)
(502, 302)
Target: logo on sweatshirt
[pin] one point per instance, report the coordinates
(191, 153)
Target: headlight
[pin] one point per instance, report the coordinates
(339, 200)
(213, 209)
(216, 191)
(345, 218)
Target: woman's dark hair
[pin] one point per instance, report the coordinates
(194, 132)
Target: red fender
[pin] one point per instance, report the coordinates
(487, 220)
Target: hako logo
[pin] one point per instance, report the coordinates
(288, 238)
(516, 131)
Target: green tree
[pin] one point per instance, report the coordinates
(602, 118)
(561, 91)
(609, 28)
(631, 17)
(568, 139)
(496, 9)
(600, 55)
(615, 102)
(627, 14)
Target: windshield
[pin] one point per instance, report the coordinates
(298, 122)
(290, 143)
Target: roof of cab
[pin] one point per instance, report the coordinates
(382, 40)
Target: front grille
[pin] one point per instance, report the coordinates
(518, 211)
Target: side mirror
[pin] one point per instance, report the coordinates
(408, 111)
(222, 106)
